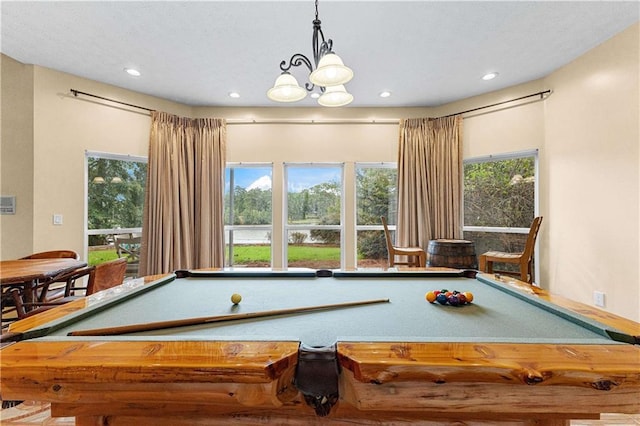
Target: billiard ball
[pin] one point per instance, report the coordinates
(235, 298)
(469, 296)
(442, 299)
(431, 296)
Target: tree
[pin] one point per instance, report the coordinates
(325, 202)
(115, 194)
(297, 205)
(499, 193)
(252, 207)
(376, 188)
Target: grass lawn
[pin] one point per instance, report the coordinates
(243, 254)
(246, 254)
(101, 256)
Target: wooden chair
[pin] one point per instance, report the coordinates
(128, 245)
(54, 254)
(101, 277)
(416, 255)
(524, 259)
(107, 275)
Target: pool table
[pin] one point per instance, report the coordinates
(515, 355)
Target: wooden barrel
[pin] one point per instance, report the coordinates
(459, 254)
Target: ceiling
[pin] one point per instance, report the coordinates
(425, 53)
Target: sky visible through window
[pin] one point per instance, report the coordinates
(299, 178)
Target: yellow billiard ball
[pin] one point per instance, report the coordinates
(235, 298)
(430, 296)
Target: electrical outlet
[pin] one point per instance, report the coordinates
(598, 299)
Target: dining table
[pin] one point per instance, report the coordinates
(28, 275)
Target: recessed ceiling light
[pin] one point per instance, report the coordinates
(234, 95)
(385, 94)
(132, 72)
(490, 76)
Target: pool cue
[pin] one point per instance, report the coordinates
(11, 336)
(134, 328)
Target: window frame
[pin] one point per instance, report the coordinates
(114, 231)
(229, 229)
(536, 194)
(378, 227)
(287, 227)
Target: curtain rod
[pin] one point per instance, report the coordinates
(77, 92)
(330, 121)
(541, 94)
(233, 121)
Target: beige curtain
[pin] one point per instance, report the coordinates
(183, 219)
(429, 180)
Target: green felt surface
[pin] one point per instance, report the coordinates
(495, 315)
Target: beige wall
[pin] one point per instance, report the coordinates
(16, 155)
(512, 127)
(56, 129)
(588, 136)
(586, 133)
(590, 169)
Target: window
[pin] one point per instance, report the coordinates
(376, 195)
(314, 215)
(115, 204)
(500, 201)
(308, 201)
(248, 215)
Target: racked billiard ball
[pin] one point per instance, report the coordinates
(442, 299)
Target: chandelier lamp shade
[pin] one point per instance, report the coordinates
(335, 96)
(327, 72)
(286, 89)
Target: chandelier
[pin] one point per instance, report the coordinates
(329, 74)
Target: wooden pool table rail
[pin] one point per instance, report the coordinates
(179, 382)
(383, 379)
(623, 324)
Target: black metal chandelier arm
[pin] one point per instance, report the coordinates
(317, 40)
(326, 47)
(286, 87)
(295, 61)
